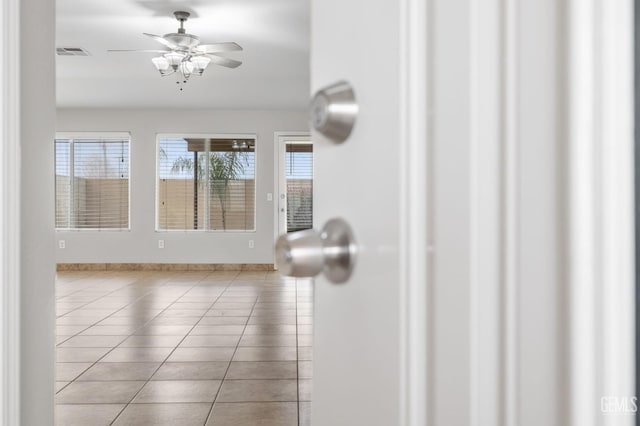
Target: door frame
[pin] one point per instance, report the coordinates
(280, 139)
(538, 306)
(10, 261)
(416, 206)
(600, 227)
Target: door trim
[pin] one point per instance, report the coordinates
(416, 237)
(10, 215)
(600, 210)
(563, 195)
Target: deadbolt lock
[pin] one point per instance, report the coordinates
(334, 110)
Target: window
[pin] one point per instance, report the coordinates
(92, 182)
(206, 183)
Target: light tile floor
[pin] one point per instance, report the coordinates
(183, 348)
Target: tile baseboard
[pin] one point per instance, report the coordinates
(165, 267)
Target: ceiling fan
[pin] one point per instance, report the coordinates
(185, 54)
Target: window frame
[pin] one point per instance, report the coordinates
(186, 135)
(72, 136)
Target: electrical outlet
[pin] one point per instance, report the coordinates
(269, 196)
(250, 243)
(161, 244)
(61, 244)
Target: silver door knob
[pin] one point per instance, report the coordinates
(334, 110)
(307, 253)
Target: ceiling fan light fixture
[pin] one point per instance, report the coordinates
(185, 56)
(161, 63)
(174, 58)
(200, 63)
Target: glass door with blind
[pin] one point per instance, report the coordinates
(295, 198)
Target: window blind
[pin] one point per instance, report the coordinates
(92, 183)
(299, 176)
(206, 184)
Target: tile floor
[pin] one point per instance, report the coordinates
(183, 348)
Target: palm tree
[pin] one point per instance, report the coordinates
(222, 168)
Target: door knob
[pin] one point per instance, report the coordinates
(307, 253)
(334, 110)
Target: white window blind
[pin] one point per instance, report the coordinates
(92, 183)
(206, 184)
(299, 175)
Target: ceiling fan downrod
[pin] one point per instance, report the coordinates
(182, 17)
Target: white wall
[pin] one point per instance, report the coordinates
(37, 269)
(140, 244)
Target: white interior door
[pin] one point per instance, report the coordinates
(358, 328)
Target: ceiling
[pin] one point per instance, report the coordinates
(273, 33)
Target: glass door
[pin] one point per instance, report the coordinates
(295, 198)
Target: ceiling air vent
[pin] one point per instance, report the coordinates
(71, 51)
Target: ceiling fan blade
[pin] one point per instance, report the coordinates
(219, 47)
(161, 40)
(225, 62)
(138, 51)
